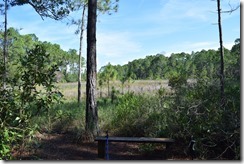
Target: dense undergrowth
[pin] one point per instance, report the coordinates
(189, 110)
(193, 110)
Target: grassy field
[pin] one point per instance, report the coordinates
(69, 90)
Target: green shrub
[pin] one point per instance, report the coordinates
(192, 110)
(198, 112)
(138, 115)
(24, 100)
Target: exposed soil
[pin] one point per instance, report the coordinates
(65, 147)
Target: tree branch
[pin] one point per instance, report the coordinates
(232, 9)
(35, 9)
(229, 147)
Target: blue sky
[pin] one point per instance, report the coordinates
(140, 28)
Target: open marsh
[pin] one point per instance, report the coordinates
(69, 90)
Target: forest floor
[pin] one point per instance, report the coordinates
(65, 147)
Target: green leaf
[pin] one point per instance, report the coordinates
(17, 118)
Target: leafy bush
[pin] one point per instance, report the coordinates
(11, 123)
(197, 112)
(176, 81)
(21, 101)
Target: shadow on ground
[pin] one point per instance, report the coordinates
(65, 147)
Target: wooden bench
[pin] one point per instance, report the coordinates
(102, 142)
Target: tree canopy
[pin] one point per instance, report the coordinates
(19, 45)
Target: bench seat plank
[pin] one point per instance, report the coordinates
(135, 139)
(102, 140)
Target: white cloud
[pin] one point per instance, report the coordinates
(116, 44)
(51, 31)
(228, 45)
(199, 10)
(188, 47)
(46, 30)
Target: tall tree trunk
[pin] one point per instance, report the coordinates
(80, 53)
(222, 77)
(5, 49)
(91, 104)
(108, 88)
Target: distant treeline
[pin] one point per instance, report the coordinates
(204, 63)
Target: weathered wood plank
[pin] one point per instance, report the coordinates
(136, 139)
(102, 146)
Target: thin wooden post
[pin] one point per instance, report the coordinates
(101, 149)
(167, 146)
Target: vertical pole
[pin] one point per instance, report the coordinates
(80, 53)
(5, 44)
(107, 152)
(222, 77)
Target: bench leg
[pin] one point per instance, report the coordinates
(101, 149)
(168, 145)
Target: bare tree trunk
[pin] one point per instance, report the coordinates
(80, 53)
(5, 49)
(222, 77)
(108, 88)
(122, 88)
(101, 92)
(91, 104)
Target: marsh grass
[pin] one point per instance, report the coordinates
(69, 90)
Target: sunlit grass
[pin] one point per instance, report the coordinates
(70, 90)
